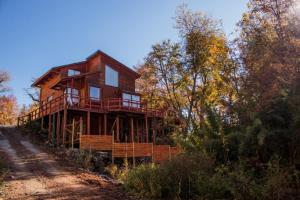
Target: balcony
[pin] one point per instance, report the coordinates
(66, 101)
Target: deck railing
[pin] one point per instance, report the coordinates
(77, 102)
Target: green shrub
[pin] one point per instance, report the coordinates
(173, 179)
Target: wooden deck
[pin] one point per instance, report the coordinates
(158, 153)
(87, 104)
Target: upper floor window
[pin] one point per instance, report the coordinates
(72, 72)
(94, 93)
(111, 77)
(131, 100)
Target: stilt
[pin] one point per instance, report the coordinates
(58, 129)
(64, 125)
(153, 131)
(99, 125)
(105, 124)
(80, 126)
(147, 130)
(118, 128)
(131, 130)
(73, 133)
(88, 122)
(132, 139)
(53, 138)
(50, 128)
(42, 123)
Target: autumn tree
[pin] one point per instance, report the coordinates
(269, 48)
(4, 77)
(192, 74)
(8, 103)
(8, 110)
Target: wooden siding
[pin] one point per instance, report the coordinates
(132, 150)
(96, 142)
(158, 153)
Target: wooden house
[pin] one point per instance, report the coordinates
(93, 105)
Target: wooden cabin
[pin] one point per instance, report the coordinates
(93, 105)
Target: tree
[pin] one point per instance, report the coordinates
(8, 110)
(192, 74)
(4, 77)
(269, 50)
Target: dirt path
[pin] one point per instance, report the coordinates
(35, 174)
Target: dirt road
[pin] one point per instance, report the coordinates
(36, 174)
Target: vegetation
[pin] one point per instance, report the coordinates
(8, 103)
(238, 103)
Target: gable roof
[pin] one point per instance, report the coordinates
(101, 53)
(53, 70)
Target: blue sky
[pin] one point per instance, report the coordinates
(36, 35)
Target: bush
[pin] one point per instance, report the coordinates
(177, 178)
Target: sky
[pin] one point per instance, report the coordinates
(36, 35)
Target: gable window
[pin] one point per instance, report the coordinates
(72, 72)
(111, 77)
(131, 100)
(94, 93)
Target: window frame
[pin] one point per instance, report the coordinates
(74, 72)
(109, 83)
(89, 93)
(130, 102)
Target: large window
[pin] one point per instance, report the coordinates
(111, 77)
(131, 100)
(95, 93)
(72, 72)
(72, 95)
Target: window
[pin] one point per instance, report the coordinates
(95, 93)
(111, 77)
(72, 72)
(73, 91)
(73, 95)
(135, 101)
(131, 100)
(126, 99)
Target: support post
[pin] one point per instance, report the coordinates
(152, 155)
(53, 129)
(105, 124)
(154, 130)
(113, 148)
(80, 126)
(65, 125)
(118, 128)
(147, 129)
(88, 121)
(58, 129)
(100, 125)
(73, 132)
(50, 127)
(131, 129)
(42, 123)
(132, 140)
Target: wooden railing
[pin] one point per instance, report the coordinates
(158, 153)
(73, 101)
